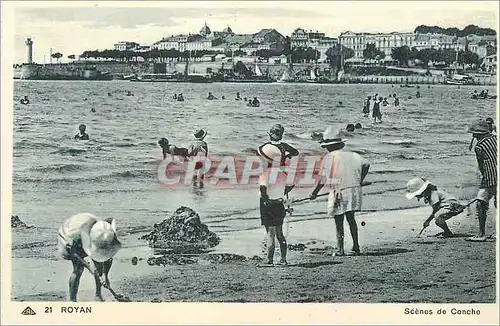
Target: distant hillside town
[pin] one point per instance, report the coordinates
(427, 45)
(427, 51)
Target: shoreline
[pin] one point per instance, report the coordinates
(426, 267)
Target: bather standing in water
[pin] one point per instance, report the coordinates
(82, 135)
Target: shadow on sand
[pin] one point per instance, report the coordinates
(315, 264)
(385, 252)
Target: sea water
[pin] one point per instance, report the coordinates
(114, 173)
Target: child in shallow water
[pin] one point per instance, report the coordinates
(444, 205)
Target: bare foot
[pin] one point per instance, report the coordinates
(98, 298)
(477, 238)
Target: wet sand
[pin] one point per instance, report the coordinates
(395, 266)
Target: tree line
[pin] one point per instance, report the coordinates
(297, 54)
(128, 55)
(404, 54)
(453, 31)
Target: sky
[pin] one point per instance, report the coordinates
(71, 27)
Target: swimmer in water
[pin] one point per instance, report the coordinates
(396, 100)
(82, 135)
(92, 110)
(358, 126)
(491, 125)
(350, 127)
(211, 96)
(276, 136)
(25, 100)
(238, 98)
(255, 102)
(129, 93)
(109, 94)
(173, 150)
(366, 107)
(317, 136)
(198, 151)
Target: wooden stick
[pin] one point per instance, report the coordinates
(367, 183)
(421, 232)
(467, 205)
(118, 297)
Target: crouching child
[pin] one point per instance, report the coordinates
(444, 206)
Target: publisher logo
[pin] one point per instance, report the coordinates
(28, 312)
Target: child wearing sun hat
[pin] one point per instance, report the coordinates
(444, 206)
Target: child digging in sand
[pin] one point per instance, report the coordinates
(444, 206)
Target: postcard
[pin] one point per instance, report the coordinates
(267, 162)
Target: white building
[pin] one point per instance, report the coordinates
(142, 48)
(478, 48)
(490, 63)
(183, 42)
(385, 42)
(125, 45)
(300, 38)
(439, 42)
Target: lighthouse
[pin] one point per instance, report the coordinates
(29, 45)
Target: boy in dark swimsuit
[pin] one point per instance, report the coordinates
(82, 135)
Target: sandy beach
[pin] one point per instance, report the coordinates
(395, 266)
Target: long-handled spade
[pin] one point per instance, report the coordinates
(461, 210)
(366, 183)
(118, 297)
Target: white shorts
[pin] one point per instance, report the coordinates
(485, 194)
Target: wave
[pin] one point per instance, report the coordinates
(130, 144)
(70, 151)
(411, 157)
(391, 171)
(399, 142)
(452, 141)
(58, 168)
(25, 143)
(133, 174)
(298, 136)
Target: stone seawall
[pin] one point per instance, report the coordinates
(118, 70)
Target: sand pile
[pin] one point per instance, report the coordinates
(170, 259)
(225, 258)
(183, 232)
(15, 222)
(211, 258)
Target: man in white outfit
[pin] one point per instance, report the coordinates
(343, 171)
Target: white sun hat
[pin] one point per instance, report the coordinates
(100, 242)
(415, 187)
(271, 153)
(331, 136)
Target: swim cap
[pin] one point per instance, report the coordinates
(277, 129)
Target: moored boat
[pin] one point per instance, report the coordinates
(457, 79)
